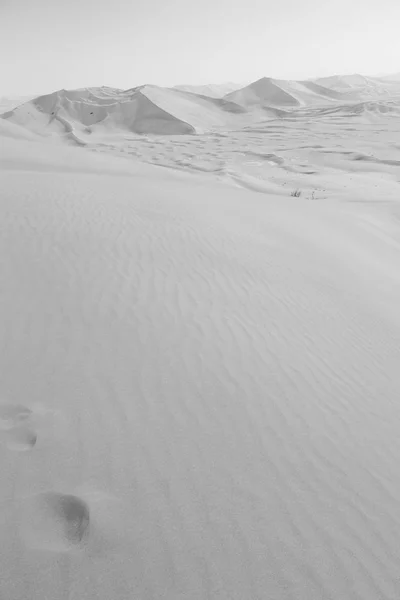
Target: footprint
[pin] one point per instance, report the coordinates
(12, 415)
(55, 522)
(20, 438)
(87, 521)
(21, 426)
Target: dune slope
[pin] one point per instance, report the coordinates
(199, 389)
(282, 93)
(77, 114)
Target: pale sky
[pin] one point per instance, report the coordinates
(46, 45)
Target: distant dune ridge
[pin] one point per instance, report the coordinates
(144, 109)
(287, 94)
(218, 90)
(10, 102)
(149, 109)
(345, 82)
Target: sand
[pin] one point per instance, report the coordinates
(79, 116)
(218, 90)
(9, 102)
(200, 372)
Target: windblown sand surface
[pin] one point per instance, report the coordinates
(200, 384)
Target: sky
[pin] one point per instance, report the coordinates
(46, 45)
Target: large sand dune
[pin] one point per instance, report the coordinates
(80, 110)
(211, 90)
(200, 371)
(144, 109)
(148, 109)
(285, 94)
(345, 82)
(200, 384)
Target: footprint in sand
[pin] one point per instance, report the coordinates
(88, 520)
(20, 439)
(16, 428)
(55, 522)
(19, 425)
(12, 415)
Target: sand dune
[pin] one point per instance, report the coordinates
(200, 384)
(281, 93)
(367, 111)
(265, 92)
(86, 115)
(145, 109)
(211, 90)
(364, 87)
(80, 110)
(345, 82)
